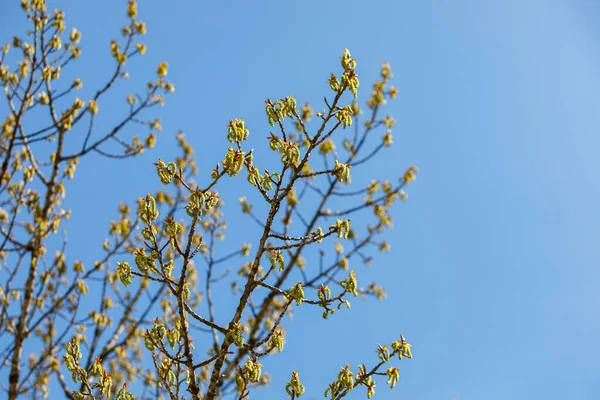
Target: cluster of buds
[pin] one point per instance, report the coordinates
(280, 109)
(276, 259)
(341, 172)
(350, 284)
(235, 335)
(349, 77)
(166, 172)
(290, 152)
(237, 131)
(125, 274)
(294, 388)
(344, 115)
(233, 162)
(296, 293)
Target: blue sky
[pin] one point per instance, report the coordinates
(493, 274)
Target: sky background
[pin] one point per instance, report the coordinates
(493, 275)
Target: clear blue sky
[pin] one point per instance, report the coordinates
(494, 271)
